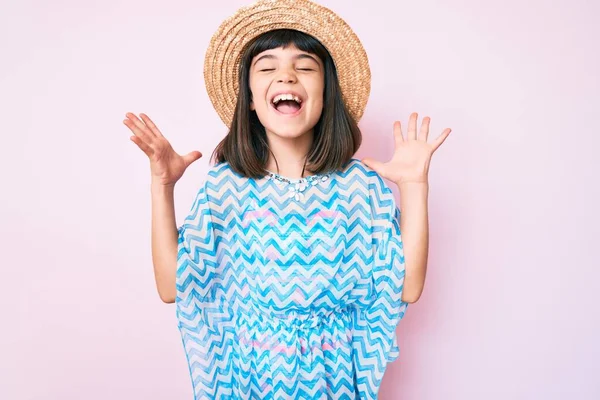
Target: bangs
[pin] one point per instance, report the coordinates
(284, 38)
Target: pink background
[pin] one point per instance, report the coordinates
(510, 308)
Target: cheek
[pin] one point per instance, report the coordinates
(257, 91)
(316, 96)
(316, 110)
(315, 91)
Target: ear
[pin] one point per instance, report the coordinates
(252, 107)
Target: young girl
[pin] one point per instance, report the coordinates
(289, 273)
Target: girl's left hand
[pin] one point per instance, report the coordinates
(410, 163)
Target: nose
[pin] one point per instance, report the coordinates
(286, 76)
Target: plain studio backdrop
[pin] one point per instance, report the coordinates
(510, 307)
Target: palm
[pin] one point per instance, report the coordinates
(412, 156)
(165, 164)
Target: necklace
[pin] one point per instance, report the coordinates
(296, 187)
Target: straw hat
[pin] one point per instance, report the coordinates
(224, 52)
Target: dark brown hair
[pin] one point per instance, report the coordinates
(336, 134)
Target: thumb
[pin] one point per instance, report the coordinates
(191, 157)
(373, 164)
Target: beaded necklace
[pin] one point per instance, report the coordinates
(296, 187)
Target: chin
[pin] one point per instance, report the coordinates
(288, 132)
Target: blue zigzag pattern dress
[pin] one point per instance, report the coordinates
(290, 296)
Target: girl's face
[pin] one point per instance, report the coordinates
(287, 72)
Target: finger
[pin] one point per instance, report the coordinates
(440, 139)
(398, 138)
(151, 125)
(139, 129)
(412, 126)
(145, 148)
(191, 157)
(373, 164)
(424, 133)
(142, 124)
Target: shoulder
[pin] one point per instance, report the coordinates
(223, 181)
(355, 169)
(213, 181)
(219, 171)
(358, 170)
(218, 175)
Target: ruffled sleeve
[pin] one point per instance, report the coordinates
(203, 310)
(375, 338)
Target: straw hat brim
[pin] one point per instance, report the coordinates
(223, 56)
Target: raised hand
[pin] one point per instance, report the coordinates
(412, 156)
(165, 164)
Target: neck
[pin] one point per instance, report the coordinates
(289, 154)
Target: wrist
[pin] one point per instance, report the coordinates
(413, 184)
(157, 187)
(413, 189)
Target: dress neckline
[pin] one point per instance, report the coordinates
(283, 178)
(296, 186)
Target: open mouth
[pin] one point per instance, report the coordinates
(287, 104)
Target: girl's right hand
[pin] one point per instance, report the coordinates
(165, 164)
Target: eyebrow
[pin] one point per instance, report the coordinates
(296, 57)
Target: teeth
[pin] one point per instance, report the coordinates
(286, 96)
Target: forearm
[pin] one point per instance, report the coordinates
(164, 241)
(414, 226)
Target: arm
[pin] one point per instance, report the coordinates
(409, 168)
(164, 240)
(414, 225)
(167, 167)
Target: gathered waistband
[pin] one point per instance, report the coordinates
(295, 321)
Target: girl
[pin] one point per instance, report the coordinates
(290, 273)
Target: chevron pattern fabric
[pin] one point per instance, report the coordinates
(279, 298)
